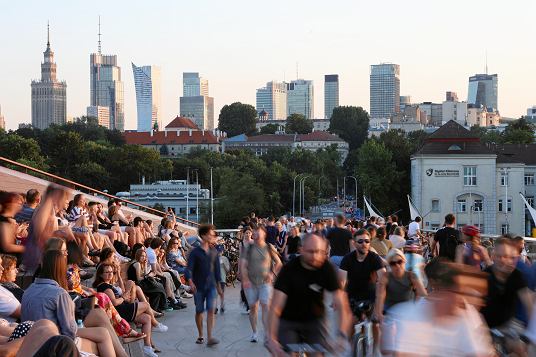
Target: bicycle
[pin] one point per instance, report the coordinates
(362, 340)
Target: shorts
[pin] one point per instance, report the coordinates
(80, 229)
(313, 332)
(205, 300)
(260, 293)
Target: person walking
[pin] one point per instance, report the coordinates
(204, 275)
(260, 265)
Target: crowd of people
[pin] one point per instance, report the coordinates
(84, 277)
(76, 276)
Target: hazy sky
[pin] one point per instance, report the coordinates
(239, 45)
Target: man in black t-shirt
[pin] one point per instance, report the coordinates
(505, 284)
(298, 308)
(271, 231)
(448, 238)
(340, 240)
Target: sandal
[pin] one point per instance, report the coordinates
(200, 340)
(132, 336)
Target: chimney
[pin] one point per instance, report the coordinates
(202, 132)
(165, 133)
(151, 133)
(190, 132)
(178, 133)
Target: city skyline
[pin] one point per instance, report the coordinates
(232, 60)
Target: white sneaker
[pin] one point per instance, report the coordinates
(186, 287)
(254, 337)
(149, 352)
(186, 295)
(160, 327)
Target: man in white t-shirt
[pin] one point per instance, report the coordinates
(442, 325)
(414, 229)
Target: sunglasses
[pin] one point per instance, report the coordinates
(398, 262)
(361, 241)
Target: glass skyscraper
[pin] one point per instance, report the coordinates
(195, 102)
(483, 90)
(300, 98)
(106, 87)
(147, 83)
(273, 100)
(331, 94)
(384, 90)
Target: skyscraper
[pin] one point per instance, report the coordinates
(331, 94)
(300, 98)
(193, 85)
(102, 114)
(483, 90)
(384, 90)
(195, 103)
(49, 96)
(147, 83)
(273, 100)
(106, 87)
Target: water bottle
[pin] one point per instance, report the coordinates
(79, 323)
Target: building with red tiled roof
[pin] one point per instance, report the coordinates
(260, 144)
(181, 124)
(175, 143)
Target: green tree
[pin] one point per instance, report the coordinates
(239, 195)
(237, 118)
(351, 124)
(298, 123)
(20, 149)
(519, 132)
(377, 174)
(269, 129)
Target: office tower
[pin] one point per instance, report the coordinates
(193, 85)
(384, 90)
(451, 96)
(147, 83)
(2, 121)
(300, 98)
(106, 87)
(483, 90)
(102, 114)
(49, 96)
(331, 94)
(273, 100)
(405, 100)
(195, 103)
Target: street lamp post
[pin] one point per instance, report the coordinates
(211, 199)
(294, 196)
(197, 195)
(187, 192)
(302, 182)
(355, 179)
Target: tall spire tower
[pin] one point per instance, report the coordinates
(99, 42)
(49, 96)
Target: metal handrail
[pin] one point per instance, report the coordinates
(79, 185)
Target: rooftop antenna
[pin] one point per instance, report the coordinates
(48, 34)
(486, 61)
(297, 71)
(99, 38)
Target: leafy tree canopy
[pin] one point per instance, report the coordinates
(297, 123)
(237, 118)
(351, 124)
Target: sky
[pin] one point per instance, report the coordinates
(239, 45)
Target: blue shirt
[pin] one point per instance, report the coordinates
(203, 268)
(25, 215)
(45, 299)
(271, 235)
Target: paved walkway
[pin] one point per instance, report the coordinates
(232, 329)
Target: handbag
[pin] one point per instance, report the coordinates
(82, 305)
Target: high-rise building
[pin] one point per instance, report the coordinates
(384, 90)
(2, 121)
(404, 101)
(200, 109)
(49, 96)
(483, 90)
(195, 103)
(331, 94)
(147, 83)
(193, 85)
(300, 98)
(273, 100)
(102, 114)
(451, 96)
